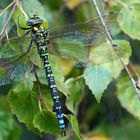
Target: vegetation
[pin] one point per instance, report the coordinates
(99, 102)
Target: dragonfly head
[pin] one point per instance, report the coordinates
(34, 20)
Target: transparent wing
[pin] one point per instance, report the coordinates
(75, 41)
(70, 50)
(83, 56)
(15, 60)
(85, 30)
(13, 72)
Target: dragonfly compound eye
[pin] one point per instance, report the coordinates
(34, 21)
(29, 22)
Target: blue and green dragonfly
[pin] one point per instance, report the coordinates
(74, 42)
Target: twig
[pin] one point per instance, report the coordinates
(23, 11)
(39, 91)
(79, 77)
(6, 8)
(134, 70)
(115, 49)
(102, 6)
(7, 21)
(61, 9)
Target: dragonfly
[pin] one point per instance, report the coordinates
(71, 42)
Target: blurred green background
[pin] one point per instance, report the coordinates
(106, 112)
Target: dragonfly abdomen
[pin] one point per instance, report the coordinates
(54, 93)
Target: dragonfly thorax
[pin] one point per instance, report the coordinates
(41, 39)
(37, 28)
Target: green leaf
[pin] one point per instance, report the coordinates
(127, 96)
(4, 106)
(4, 3)
(46, 122)
(58, 73)
(2, 72)
(9, 129)
(76, 90)
(34, 7)
(24, 104)
(24, 101)
(105, 56)
(128, 2)
(129, 20)
(3, 19)
(53, 4)
(19, 19)
(74, 125)
(97, 78)
(131, 127)
(125, 130)
(107, 66)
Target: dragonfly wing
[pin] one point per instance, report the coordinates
(79, 33)
(85, 31)
(14, 47)
(12, 71)
(69, 50)
(83, 55)
(74, 41)
(15, 60)
(74, 45)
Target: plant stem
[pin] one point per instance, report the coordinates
(7, 21)
(6, 8)
(39, 91)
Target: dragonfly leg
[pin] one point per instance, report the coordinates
(25, 34)
(23, 28)
(29, 47)
(24, 53)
